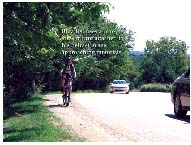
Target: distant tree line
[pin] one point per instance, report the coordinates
(164, 60)
(161, 61)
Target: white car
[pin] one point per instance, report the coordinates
(119, 86)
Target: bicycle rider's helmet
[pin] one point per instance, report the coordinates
(68, 59)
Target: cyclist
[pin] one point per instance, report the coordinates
(68, 72)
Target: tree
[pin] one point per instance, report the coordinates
(29, 46)
(164, 60)
(33, 53)
(97, 71)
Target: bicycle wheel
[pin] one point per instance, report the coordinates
(67, 97)
(64, 96)
(64, 99)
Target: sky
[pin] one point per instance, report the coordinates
(152, 19)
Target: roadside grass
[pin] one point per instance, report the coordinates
(155, 88)
(135, 90)
(90, 91)
(31, 121)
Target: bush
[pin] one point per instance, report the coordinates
(155, 88)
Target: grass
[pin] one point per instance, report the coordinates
(31, 121)
(155, 88)
(91, 91)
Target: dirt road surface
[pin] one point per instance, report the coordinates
(134, 117)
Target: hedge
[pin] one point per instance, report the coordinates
(155, 88)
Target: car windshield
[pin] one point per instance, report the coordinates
(119, 82)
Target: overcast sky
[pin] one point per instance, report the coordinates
(151, 19)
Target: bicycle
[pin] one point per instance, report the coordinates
(66, 95)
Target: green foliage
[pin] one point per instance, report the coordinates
(155, 88)
(164, 60)
(32, 53)
(30, 121)
(31, 48)
(97, 71)
(135, 75)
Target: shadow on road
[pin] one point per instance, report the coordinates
(46, 99)
(185, 119)
(54, 106)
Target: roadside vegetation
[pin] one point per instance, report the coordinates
(155, 88)
(31, 121)
(90, 91)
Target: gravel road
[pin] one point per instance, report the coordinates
(135, 117)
